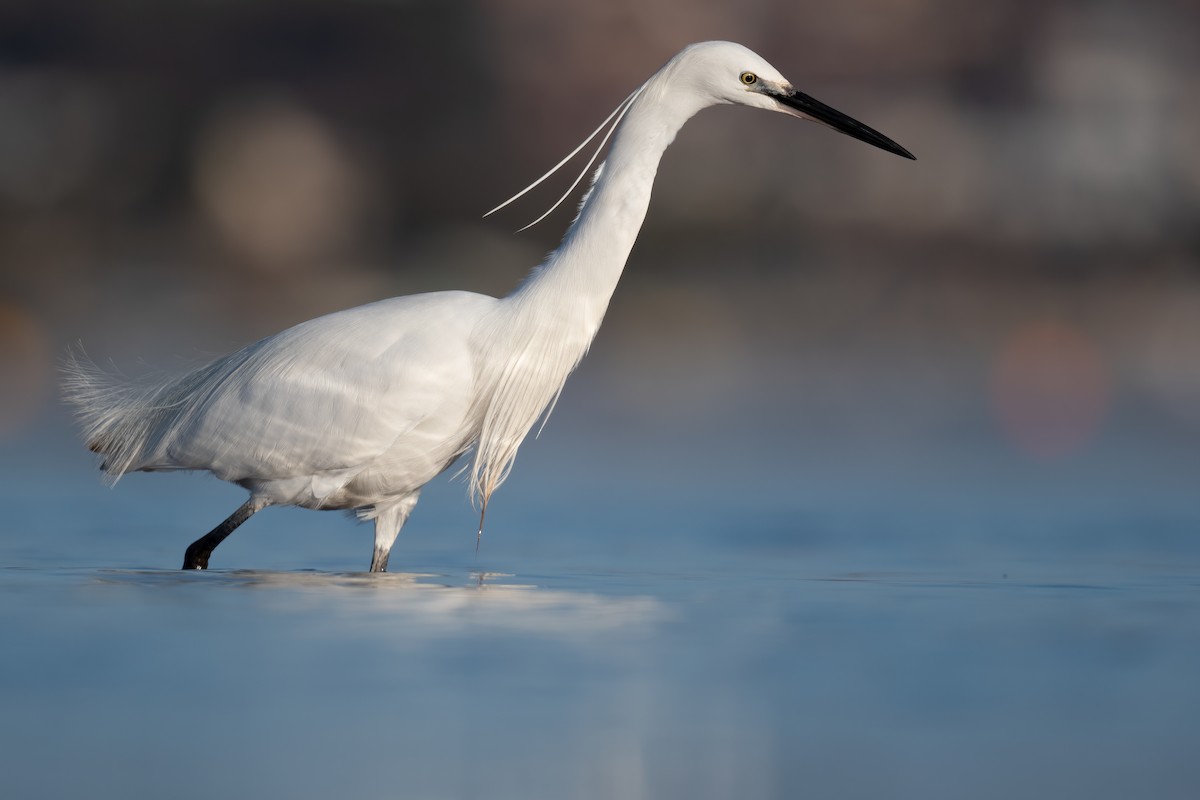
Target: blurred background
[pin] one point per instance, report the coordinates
(879, 480)
(1016, 312)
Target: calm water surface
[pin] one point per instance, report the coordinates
(769, 644)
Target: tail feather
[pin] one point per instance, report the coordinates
(122, 420)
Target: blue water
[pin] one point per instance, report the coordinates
(640, 622)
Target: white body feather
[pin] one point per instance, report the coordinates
(361, 408)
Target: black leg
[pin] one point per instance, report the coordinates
(198, 551)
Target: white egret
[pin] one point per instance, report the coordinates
(361, 408)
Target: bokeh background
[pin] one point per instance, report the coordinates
(176, 180)
(879, 481)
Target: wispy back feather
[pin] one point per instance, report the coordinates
(524, 371)
(127, 421)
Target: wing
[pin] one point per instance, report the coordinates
(332, 394)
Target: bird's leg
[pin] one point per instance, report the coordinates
(387, 528)
(379, 559)
(198, 551)
(388, 522)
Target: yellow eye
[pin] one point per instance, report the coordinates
(749, 78)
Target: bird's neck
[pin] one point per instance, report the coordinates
(537, 335)
(572, 288)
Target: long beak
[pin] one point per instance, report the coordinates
(801, 105)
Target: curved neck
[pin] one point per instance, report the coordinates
(576, 282)
(536, 336)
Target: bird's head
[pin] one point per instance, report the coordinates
(702, 75)
(724, 72)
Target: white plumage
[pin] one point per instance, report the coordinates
(359, 409)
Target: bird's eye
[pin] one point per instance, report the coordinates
(749, 78)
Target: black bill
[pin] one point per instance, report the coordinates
(819, 112)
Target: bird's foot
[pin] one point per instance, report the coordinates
(379, 560)
(196, 557)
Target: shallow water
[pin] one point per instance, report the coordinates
(669, 685)
(852, 643)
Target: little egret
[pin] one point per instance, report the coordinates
(361, 408)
